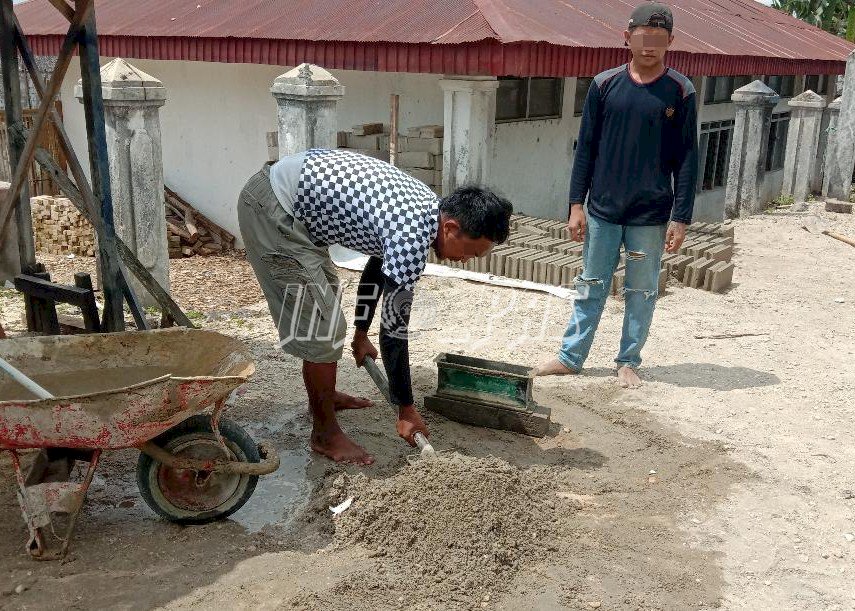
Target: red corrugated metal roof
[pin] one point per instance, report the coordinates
(524, 37)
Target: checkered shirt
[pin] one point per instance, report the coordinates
(371, 207)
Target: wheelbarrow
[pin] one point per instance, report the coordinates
(162, 392)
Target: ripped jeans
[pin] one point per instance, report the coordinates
(603, 240)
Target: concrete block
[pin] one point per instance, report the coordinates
(527, 269)
(722, 252)
(667, 259)
(426, 176)
(697, 251)
(415, 160)
(437, 177)
(695, 273)
(426, 131)
(535, 422)
(542, 268)
(719, 277)
(373, 142)
(727, 230)
(514, 263)
(341, 139)
(498, 257)
(618, 281)
(690, 241)
(420, 145)
(699, 227)
(367, 129)
(663, 281)
(835, 205)
(677, 266)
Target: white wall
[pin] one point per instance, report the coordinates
(216, 118)
(532, 161)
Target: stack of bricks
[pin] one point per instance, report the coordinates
(419, 152)
(370, 139)
(540, 250)
(420, 155)
(59, 227)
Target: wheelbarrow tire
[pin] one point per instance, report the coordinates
(153, 478)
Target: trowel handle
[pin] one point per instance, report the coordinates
(24, 381)
(379, 379)
(383, 385)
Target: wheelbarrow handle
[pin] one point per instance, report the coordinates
(24, 381)
(383, 386)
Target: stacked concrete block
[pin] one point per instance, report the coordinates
(371, 139)
(59, 227)
(540, 250)
(420, 155)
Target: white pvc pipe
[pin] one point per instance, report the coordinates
(24, 381)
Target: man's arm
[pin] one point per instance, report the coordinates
(367, 298)
(686, 169)
(586, 147)
(394, 343)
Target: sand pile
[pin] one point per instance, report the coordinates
(454, 529)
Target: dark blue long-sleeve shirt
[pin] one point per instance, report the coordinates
(635, 139)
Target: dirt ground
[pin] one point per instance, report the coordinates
(727, 481)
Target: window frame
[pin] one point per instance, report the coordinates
(710, 130)
(711, 83)
(776, 144)
(527, 80)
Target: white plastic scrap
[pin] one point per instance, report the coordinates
(343, 507)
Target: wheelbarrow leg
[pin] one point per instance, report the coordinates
(84, 488)
(38, 501)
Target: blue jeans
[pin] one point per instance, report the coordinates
(643, 247)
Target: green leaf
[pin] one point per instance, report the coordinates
(850, 25)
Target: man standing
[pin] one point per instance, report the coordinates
(638, 137)
(289, 214)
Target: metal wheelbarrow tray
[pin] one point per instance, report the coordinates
(143, 389)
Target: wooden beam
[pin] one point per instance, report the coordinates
(84, 9)
(63, 8)
(14, 116)
(163, 298)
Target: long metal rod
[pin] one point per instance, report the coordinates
(128, 257)
(93, 107)
(63, 60)
(14, 116)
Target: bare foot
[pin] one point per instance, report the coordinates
(553, 368)
(628, 378)
(409, 423)
(338, 447)
(344, 401)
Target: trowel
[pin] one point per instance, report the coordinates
(383, 386)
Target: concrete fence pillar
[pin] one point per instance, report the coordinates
(826, 134)
(841, 158)
(802, 144)
(830, 149)
(132, 101)
(754, 103)
(470, 122)
(307, 97)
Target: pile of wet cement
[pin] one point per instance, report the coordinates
(455, 528)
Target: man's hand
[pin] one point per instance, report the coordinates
(675, 237)
(409, 423)
(577, 223)
(361, 347)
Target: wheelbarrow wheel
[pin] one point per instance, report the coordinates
(185, 496)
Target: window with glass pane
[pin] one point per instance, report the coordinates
(544, 97)
(583, 84)
(777, 143)
(511, 99)
(519, 99)
(818, 83)
(714, 154)
(788, 86)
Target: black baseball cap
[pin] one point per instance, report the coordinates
(652, 14)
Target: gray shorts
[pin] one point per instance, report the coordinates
(295, 272)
